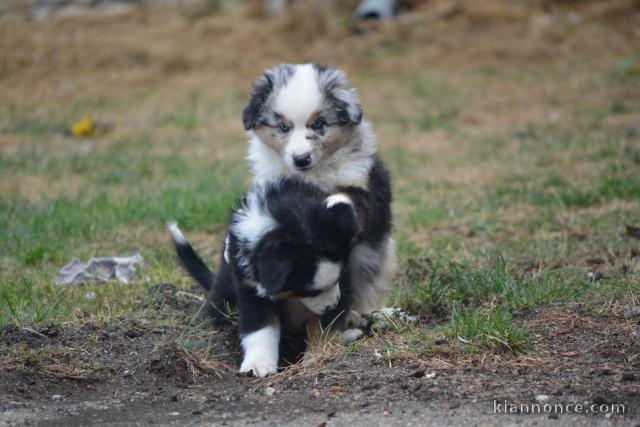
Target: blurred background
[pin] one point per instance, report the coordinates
(510, 127)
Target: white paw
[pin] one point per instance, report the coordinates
(259, 366)
(337, 198)
(325, 300)
(350, 335)
(261, 351)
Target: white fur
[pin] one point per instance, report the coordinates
(252, 221)
(176, 234)
(261, 351)
(373, 273)
(226, 249)
(327, 274)
(325, 300)
(261, 291)
(300, 97)
(337, 198)
(298, 144)
(345, 168)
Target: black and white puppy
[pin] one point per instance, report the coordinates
(304, 120)
(286, 259)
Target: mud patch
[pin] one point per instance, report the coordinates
(108, 375)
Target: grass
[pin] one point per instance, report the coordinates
(504, 194)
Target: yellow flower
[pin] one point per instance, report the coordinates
(83, 127)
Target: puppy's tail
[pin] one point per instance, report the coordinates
(190, 259)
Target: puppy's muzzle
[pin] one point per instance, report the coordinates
(302, 161)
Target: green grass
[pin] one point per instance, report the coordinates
(478, 254)
(483, 328)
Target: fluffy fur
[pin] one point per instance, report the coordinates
(286, 259)
(305, 121)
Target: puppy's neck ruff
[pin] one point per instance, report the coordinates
(349, 166)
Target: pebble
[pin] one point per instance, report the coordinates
(56, 397)
(336, 389)
(418, 374)
(430, 375)
(269, 391)
(628, 376)
(542, 398)
(632, 312)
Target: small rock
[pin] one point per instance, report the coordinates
(331, 414)
(56, 397)
(628, 376)
(418, 374)
(632, 231)
(269, 391)
(570, 354)
(604, 372)
(386, 413)
(336, 389)
(430, 375)
(631, 312)
(542, 398)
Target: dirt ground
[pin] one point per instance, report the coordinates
(137, 376)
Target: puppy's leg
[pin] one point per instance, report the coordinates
(374, 270)
(259, 334)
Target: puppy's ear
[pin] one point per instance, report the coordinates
(273, 272)
(262, 88)
(344, 99)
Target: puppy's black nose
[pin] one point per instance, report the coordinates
(302, 161)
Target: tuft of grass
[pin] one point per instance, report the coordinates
(496, 328)
(438, 288)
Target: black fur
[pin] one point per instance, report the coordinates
(283, 260)
(373, 205)
(196, 267)
(261, 91)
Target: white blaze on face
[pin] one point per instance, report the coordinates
(300, 97)
(297, 101)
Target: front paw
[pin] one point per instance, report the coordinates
(350, 335)
(259, 366)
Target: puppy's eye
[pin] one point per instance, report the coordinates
(318, 124)
(282, 127)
